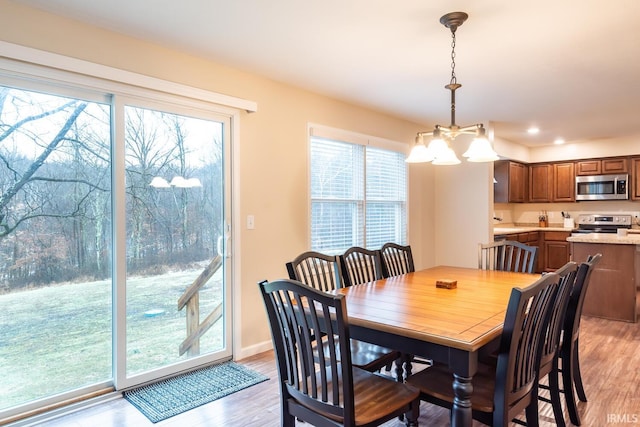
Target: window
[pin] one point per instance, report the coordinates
(358, 193)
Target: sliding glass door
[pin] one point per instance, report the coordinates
(176, 297)
(114, 225)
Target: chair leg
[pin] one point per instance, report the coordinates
(406, 359)
(554, 393)
(531, 413)
(567, 384)
(577, 375)
(399, 362)
(288, 420)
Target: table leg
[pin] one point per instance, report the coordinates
(461, 410)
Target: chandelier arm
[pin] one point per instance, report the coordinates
(471, 128)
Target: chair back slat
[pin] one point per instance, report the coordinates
(318, 378)
(315, 269)
(521, 343)
(507, 255)
(396, 259)
(360, 265)
(576, 300)
(553, 334)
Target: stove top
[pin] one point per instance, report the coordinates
(602, 223)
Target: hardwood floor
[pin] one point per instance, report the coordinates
(610, 357)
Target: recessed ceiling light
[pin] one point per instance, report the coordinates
(533, 130)
(558, 141)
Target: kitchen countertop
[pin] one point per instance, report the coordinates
(630, 239)
(633, 238)
(523, 229)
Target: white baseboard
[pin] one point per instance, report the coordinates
(253, 350)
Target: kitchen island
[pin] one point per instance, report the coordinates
(613, 289)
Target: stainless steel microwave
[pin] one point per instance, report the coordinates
(602, 187)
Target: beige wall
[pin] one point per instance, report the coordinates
(464, 209)
(272, 147)
(587, 149)
(624, 146)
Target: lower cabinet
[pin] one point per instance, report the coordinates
(555, 251)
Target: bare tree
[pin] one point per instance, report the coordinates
(41, 139)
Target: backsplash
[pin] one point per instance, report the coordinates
(528, 213)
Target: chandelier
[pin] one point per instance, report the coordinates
(439, 150)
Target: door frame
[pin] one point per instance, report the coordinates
(192, 109)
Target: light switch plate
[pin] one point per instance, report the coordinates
(250, 222)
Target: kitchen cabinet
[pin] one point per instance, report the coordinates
(555, 251)
(635, 178)
(528, 238)
(511, 186)
(551, 182)
(602, 166)
(589, 167)
(564, 182)
(612, 290)
(540, 182)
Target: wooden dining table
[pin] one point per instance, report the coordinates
(409, 313)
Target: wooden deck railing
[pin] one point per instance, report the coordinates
(191, 299)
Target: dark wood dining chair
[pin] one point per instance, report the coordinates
(396, 259)
(569, 354)
(323, 388)
(507, 255)
(549, 359)
(360, 265)
(502, 391)
(317, 270)
(324, 273)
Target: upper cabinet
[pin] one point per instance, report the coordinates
(540, 182)
(552, 182)
(564, 179)
(556, 181)
(635, 178)
(602, 166)
(511, 185)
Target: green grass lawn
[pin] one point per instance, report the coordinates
(58, 338)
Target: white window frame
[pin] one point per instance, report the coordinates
(349, 137)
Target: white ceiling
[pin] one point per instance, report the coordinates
(570, 67)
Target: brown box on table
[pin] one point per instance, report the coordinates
(446, 284)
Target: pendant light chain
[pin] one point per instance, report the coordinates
(454, 80)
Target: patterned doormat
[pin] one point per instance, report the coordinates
(173, 396)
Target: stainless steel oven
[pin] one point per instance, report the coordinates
(601, 223)
(602, 187)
